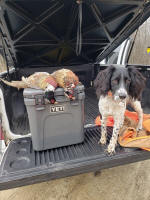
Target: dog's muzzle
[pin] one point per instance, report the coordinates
(121, 94)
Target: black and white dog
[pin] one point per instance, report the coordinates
(115, 87)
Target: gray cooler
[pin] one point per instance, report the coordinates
(55, 125)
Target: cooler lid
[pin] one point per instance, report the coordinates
(31, 93)
(42, 33)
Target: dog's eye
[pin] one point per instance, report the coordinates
(115, 82)
(128, 81)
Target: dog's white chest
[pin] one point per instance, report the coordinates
(108, 106)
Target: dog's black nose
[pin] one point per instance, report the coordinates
(122, 96)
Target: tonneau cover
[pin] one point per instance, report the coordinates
(44, 32)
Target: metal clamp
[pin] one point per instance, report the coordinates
(39, 100)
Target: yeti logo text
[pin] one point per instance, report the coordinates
(55, 109)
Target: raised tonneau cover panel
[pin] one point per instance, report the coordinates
(44, 33)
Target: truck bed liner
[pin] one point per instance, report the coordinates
(91, 106)
(21, 165)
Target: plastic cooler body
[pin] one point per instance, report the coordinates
(55, 125)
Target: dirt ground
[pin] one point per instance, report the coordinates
(128, 182)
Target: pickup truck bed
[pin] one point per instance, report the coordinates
(21, 165)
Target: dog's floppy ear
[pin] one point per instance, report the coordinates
(137, 83)
(102, 81)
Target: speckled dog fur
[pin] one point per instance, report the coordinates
(109, 107)
(125, 86)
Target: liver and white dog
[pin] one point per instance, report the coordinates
(116, 87)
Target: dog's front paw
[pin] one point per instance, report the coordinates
(102, 141)
(111, 149)
(139, 128)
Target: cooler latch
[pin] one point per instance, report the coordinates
(39, 102)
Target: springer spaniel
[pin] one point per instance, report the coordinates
(115, 87)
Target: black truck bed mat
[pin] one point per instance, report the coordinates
(21, 165)
(91, 106)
